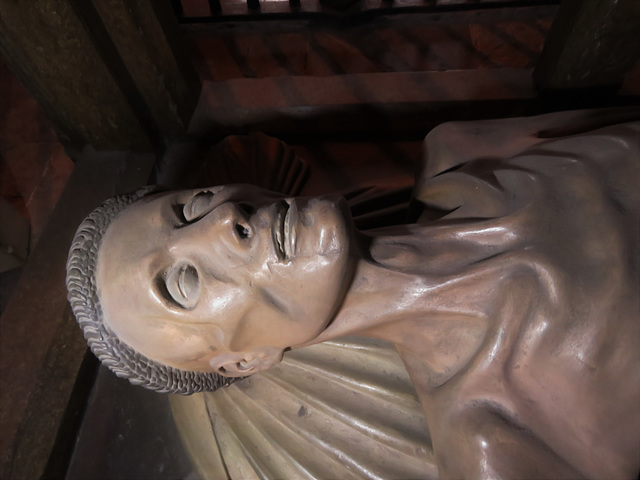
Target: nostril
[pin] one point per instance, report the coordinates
(243, 231)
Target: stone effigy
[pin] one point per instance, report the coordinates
(511, 296)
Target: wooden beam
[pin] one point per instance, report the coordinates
(41, 346)
(592, 44)
(147, 38)
(109, 73)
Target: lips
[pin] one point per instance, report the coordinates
(279, 236)
(284, 232)
(290, 223)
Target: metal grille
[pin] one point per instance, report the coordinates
(203, 11)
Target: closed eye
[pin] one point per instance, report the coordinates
(160, 284)
(194, 209)
(179, 286)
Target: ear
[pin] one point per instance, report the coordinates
(241, 364)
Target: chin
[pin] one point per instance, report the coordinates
(327, 227)
(335, 256)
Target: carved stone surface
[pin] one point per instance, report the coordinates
(342, 409)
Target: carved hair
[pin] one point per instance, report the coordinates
(123, 360)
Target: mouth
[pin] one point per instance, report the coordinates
(284, 232)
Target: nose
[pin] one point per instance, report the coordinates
(224, 232)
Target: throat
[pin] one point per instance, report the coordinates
(418, 314)
(441, 343)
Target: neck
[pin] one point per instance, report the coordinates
(381, 293)
(403, 292)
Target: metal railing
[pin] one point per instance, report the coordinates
(205, 11)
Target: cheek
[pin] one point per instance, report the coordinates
(173, 344)
(220, 313)
(261, 326)
(218, 303)
(265, 327)
(310, 288)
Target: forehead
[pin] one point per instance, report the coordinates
(127, 258)
(132, 253)
(138, 231)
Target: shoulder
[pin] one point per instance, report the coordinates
(484, 166)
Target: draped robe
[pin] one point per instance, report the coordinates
(529, 247)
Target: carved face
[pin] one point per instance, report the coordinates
(230, 273)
